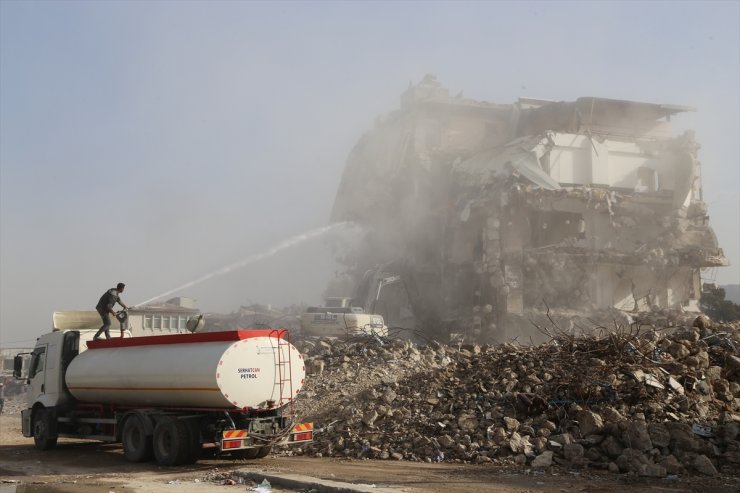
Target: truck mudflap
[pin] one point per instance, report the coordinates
(26, 422)
(240, 439)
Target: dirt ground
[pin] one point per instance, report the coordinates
(86, 466)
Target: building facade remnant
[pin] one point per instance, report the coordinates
(491, 213)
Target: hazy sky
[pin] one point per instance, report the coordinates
(155, 142)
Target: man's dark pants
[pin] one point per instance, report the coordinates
(106, 325)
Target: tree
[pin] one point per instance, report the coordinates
(714, 304)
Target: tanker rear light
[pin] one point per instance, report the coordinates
(231, 444)
(302, 432)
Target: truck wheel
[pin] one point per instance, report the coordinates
(171, 441)
(195, 447)
(263, 452)
(245, 454)
(41, 428)
(137, 446)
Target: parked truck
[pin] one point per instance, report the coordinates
(339, 318)
(166, 397)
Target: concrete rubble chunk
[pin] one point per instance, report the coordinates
(651, 470)
(631, 460)
(369, 418)
(543, 460)
(704, 465)
(676, 386)
(612, 415)
(511, 424)
(446, 441)
(573, 451)
(468, 423)
(678, 350)
(520, 444)
(592, 439)
(653, 382)
(389, 396)
(555, 446)
(526, 430)
(730, 431)
(636, 436)
(539, 444)
(682, 437)
(589, 422)
(659, 435)
(594, 455)
(671, 464)
(562, 439)
(612, 447)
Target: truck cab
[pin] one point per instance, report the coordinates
(48, 361)
(44, 375)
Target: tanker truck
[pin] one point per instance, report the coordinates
(166, 397)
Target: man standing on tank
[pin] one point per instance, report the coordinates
(105, 308)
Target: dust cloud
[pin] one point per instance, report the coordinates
(149, 143)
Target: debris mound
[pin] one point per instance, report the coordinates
(636, 400)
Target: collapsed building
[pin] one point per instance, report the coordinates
(491, 214)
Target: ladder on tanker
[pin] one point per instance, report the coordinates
(283, 371)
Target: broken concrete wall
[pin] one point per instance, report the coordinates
(489, 212)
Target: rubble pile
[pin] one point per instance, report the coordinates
(12, 406)
(12, 394)
(633, 401)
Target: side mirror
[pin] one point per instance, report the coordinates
(18, 367)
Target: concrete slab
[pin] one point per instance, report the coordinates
(296, 481)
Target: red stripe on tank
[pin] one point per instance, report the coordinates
(202, 389)
(229, 335)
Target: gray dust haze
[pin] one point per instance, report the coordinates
(181, 147)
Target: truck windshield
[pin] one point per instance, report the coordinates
(38, 358)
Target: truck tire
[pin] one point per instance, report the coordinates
(245, 454)
(172, 443)
(263, 452)
(137, 445)
(194, 445)
(41, 427)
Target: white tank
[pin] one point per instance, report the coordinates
(255, 369)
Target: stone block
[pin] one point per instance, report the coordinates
(659, 435)
(651, 470)
(589, 422)
(637, 437)
(572, 451)
(703, 465)
(543, 460)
